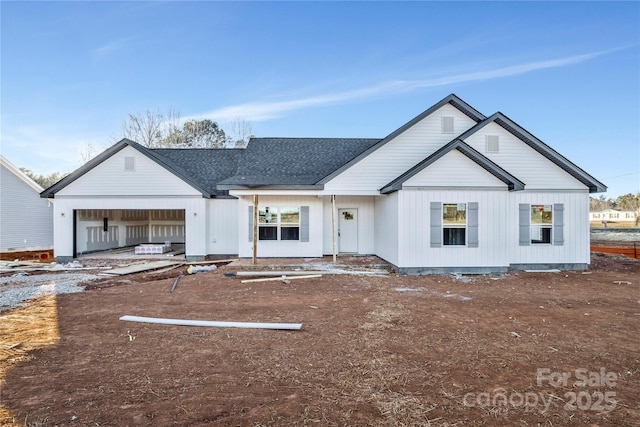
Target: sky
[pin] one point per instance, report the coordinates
(568, 72)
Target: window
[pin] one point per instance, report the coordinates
(447, 124)
(267, 224)
(454, 224)
(278, 223)
(289, 224)
(491, 144)
(129, 163)
(541, 224)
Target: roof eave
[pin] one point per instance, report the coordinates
(50, 192)
(545, 150)
(450, 99)
(513, 183)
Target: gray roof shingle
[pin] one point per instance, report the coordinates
(205, 166)
(293, 161)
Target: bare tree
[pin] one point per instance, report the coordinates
(87, 152)
(240, 131)
(151, 128)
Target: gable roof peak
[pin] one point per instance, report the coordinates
(545, 150)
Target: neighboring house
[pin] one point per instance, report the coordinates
(612, 215)
(451, 190)
(26, 220)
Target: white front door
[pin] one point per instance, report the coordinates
(348, 230)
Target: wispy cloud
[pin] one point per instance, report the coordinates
(261, 111)
(108, 50)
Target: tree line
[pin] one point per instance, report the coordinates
(627, 202)
(164, 129)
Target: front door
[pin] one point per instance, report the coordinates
(348, 230)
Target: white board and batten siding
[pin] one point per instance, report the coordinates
(26, 220)
(397, 156)
(281, 248)
(414, 224)
(575, 248)
(522, 161)
(222, 226)
(386, 227)
(454, 169)
(144, 178)
(366, 221)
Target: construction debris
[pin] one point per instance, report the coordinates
(140, 267)
(200, 269)
(175, 283)
(216, 324)
(272, 273)
(217, 261)
(283, 278)
(29, 266)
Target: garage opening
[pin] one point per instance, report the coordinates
(109, 229)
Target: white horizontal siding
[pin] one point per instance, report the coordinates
(111, 179)
(26, 220)
(415, 235)
(576, 229)
(222, 223)
(454, 169)
(386, 227)
(281, 248)
(523, 162)
(366, 222)
(399, 155)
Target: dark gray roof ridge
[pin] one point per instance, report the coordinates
(512, 182)
(452, 99)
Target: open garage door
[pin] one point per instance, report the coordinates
(99, 230)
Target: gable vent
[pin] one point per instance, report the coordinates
(129, 163)
(491, 144)
(447, 124)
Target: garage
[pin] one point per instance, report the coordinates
(108, 229)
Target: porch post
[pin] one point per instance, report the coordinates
(255, 228)
(333, 225)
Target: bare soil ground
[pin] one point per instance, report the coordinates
(432, 351)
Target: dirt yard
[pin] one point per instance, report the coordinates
(523, 349)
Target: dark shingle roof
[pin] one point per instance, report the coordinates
(205, 166)
(293, 161)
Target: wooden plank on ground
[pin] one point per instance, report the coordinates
(139, 268)
(216, 261)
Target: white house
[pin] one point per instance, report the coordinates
(451, 190)
(613, 216)
(26, 220)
